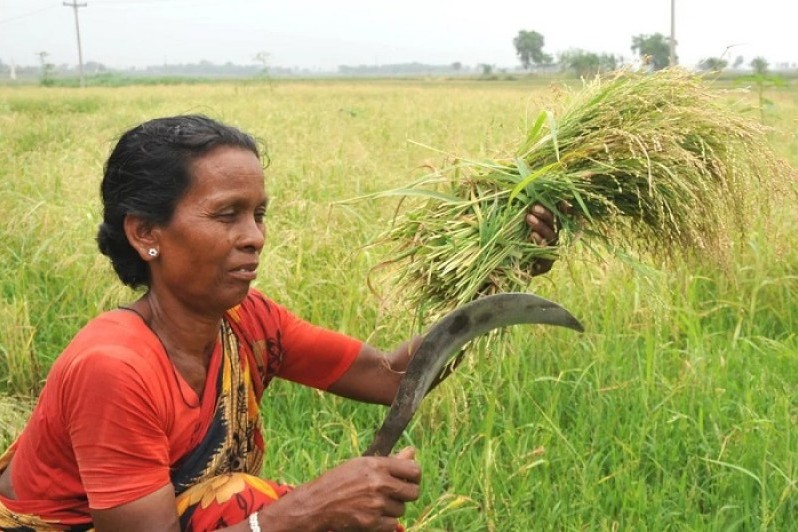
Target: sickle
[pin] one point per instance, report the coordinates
(429, 363)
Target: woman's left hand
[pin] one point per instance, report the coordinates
(543, 232)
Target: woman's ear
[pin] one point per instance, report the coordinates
(141, 236)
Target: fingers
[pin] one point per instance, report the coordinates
(402, 467)
(364, 493)
(393, 504)
(408, 453)
(542, 214)
(542, 225)
(387, 524)
(544, 232)
(393, 508)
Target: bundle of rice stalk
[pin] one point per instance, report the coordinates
(650, 162)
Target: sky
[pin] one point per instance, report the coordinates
(321, 35)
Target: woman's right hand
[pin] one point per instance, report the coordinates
(366, 493)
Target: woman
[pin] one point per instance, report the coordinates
(149, 419)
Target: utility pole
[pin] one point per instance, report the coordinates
(673, 33)
(75, 5)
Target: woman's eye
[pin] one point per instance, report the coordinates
(260, 215)
(226, 216)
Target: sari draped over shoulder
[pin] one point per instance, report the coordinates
(216, 484)
(233, 442)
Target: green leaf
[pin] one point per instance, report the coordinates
(534, 134)
(523, 168)
(581, 202)
(529, 179)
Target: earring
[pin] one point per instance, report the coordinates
(152, 252)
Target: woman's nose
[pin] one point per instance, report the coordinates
(253, 235)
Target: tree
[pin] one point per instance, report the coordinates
(585, 64)
(47, 71)
(263, 58)
(457, 66)
(760, 66)
(487, 70)
(762, 80)
(738, 62)
(529, 47)
(712, 64)
(654, 49)
(94, 67)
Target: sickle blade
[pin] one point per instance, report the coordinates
(451, 333)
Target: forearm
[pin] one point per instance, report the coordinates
(374, 376)
(286, 514)
(365, 493)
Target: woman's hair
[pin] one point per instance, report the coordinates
(146, 175)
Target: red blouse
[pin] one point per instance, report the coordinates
(115, 415)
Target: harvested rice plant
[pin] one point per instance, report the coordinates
(675, 410)
(661, 164)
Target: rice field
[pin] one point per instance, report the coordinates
(675, 410)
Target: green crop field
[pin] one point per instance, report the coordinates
(675, 410)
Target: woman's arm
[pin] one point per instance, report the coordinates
(156, 511)
(367, 493)
(374, 376)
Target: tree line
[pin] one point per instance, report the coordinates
(652, 51)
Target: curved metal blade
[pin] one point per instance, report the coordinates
(452, 332)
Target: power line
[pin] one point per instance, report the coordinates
(17, 17)
(75, 6)
(131, 3)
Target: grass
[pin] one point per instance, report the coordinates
(676, 410)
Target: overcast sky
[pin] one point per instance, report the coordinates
(320, 35)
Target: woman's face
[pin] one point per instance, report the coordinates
(209, 250)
